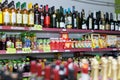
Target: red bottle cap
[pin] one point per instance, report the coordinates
(47, 72)
(56, 74)
(58, 62)
(39, 69)
(33, 67)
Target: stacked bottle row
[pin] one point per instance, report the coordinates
(56, 18)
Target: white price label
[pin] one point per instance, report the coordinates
(67, 50)
(64, 30)
(54, 50)
(114, 49)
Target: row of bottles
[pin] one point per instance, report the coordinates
(56, 18)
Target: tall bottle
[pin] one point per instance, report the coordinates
(30, 15)
(83, 20)
(116, 22)
(114, 69)
(41, 15)
(107, 23)
(102, 21)
(24, 15)
(53, 17)
(69, 18)
(112, 25)
(36, 14)
(90, 21)
(104, 69)
(1, 16)
(47, 18)
(19, 14)
(118, 76)
(6, 14)
(12, 14)
(58, 18)
(78, 20)
(62, 18)
(95, 21)
(74, 21)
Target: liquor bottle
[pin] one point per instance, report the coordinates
(114, 69)
(74, 21)
(112, 25)
(56, 74)
(69, 18)
(62, 18)
(53, 18)
(36, 14)
(58, 18)
(95, 21)
(24, 15)
(47, 73)
(6, 15)
(110, 67)
(1, 16)
(107, 23)
(12, 13)
(90, 21)
(30, 15)
(47, 18)
(41, 15)
(115, 22)
(39, 72)
(19, 14)
(102, 21)
(83, 20)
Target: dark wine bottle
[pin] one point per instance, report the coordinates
(36, 14)
(95, 21)
(83, 20)
(107, 23)
(78, 20)
(112, 25)
(90, 21)
(62, 18)
(69, 18)
(74, 21)
(53, 17)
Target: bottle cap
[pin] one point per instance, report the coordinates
(17, 5)
(30, 6)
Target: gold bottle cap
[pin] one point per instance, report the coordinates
(30, 6)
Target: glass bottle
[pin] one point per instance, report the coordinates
(62, 18)
(30, 15)
(74, 21)
(83, 20)
(112, 25)
(6, 14)
(1, 16)
(107, 23)
(18, 43)
(19, 14)
(69, 18)
(36, 14)
(90, 21)
(53, 18)
(41, 15)
(24, 15)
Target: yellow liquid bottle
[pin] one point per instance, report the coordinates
(24, 15)
(30, 15)
(19, 14)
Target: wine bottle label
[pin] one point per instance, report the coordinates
(62, 25)
(36, 18)
(1, 17)
(25, 19)
(84, 26)
(19, 18)
(42, 17)
(101, 27)
(95, 26)
(112, 27)
(69, 20)
(13, 17)
(107, 26)
(54, 16)
(116, 27)
(6, 17)
(31, 19)
(90, 23)
(57, 24)
(75, 21)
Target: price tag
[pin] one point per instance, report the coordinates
(37, 27)
(18, 28)
(11, 50)
(35, 51)
(46, 48)
(54, 50)
(67, 50)
(64, 30)
(0, 27)
(114, 49)
(26, 50)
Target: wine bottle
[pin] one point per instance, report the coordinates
(78, 20)
(36, 14)
(116, 22)
(112, 25)
(62, 18)
(107, 24)
(30, 15)
(24, 15)
(102, 21)
(6, 15)
(58, 18)
(18, 14)
(53, 17)
(95, 21)
(90, 21)
(83, 20)
(41, 15)
(69, 18)
(47, 18)
(74, 21)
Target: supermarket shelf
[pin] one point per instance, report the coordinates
(105, 32)
(67, 50)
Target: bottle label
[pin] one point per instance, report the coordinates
(57, 24)
(1, 17)
(69, 20)
(18, 45)
(31, 19)
(95, 26)
(6, 17)
(54, 16)
(42, 20)
(116, 27)
(75, 21)
(13, 17)
(19, 18)
(119, 28)
(84, 26)
(102, 27)
(112, 27)
(25, 19)
(62, 25)
(47, 20)
(107, 26)
(90, 23)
